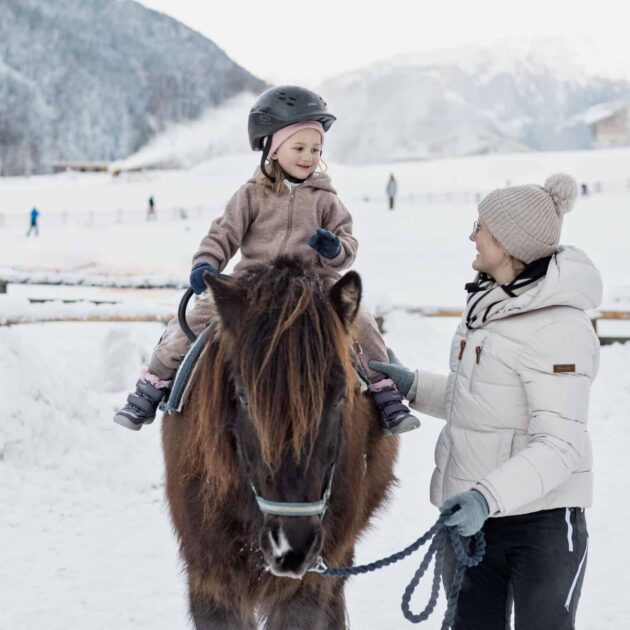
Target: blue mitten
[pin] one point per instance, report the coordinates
(325, 243)
(196, 276)
(471, 514)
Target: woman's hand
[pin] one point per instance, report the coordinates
(402, 376)
(470, 513)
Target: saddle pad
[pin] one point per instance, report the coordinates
(183, 376)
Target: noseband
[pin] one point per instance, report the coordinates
(284, 508)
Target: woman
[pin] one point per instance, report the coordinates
(515, 454)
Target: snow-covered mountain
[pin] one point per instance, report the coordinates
(97, 79)
(511, 95)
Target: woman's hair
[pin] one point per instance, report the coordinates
(274, 169)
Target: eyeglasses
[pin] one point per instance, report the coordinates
(476, 228)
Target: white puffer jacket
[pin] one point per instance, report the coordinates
(516, 399)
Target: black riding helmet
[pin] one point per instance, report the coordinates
(279, 107)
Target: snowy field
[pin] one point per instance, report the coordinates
(87, 542)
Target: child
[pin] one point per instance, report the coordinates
(286, 208)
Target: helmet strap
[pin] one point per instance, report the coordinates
(263, 159)
(290, 178)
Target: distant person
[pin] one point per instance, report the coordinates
(286, 207)
(584, 190)
(151, 216)
(34, 227)
(392, 190)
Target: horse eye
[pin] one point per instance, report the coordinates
(242, 399)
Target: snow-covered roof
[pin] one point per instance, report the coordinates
(599, 112)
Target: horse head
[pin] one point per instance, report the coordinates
(288, 356)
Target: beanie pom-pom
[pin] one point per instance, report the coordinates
(563, 190)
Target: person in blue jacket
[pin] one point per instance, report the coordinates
(34, 227)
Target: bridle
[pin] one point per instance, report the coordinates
(286, 508)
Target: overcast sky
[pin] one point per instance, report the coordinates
(285, 41)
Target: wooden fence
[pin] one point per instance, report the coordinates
(596, 316)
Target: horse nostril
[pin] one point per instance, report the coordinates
(292, 561)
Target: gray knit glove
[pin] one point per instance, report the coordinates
(402, 376)
(470, 515)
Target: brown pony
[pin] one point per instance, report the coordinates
(274, 418)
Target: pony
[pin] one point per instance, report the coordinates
(278, 457)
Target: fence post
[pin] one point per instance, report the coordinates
(3, 286)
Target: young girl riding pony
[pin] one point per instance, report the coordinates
(287, 208)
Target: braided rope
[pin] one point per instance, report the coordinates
(439, 534)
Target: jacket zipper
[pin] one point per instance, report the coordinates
(289, 223)
(462, 346)
(478, 350)
(478, 353)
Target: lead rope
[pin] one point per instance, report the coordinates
(439, 534)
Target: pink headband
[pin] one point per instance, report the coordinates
(282, 135)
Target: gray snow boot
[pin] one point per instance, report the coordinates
(141, 406)
(394, 414)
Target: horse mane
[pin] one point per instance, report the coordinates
(289, 339)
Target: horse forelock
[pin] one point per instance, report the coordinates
(291, 340)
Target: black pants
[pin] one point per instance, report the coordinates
(534, 562)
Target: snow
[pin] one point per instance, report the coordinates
(20, 310)
(599, 112)
(94, 80)
(86, 533)
(573, 59)
(217, 132)
(492, 97)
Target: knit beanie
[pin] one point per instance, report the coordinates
(526, 220)
(282, 135)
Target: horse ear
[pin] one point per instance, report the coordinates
(228, 297)
(346, 297)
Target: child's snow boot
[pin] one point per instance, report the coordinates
(395, 416)
(142, 405)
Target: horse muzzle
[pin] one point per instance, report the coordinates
(291, 546)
